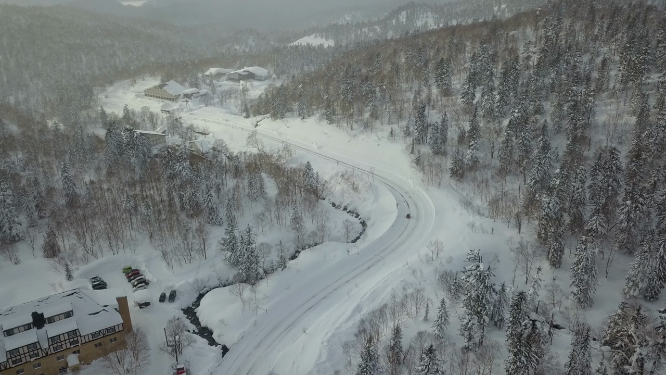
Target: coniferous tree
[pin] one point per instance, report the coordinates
(439, 136)
(577, 201)
(229, 244)
(584, 272)
(473, 135)
(443, 76)
(69, 188)
(421, 125)
(248, 268)
(298, 226)
(498, 313)
(517, 361)
(457, 168)
(429, 364)
(477, 301)
(580, 360)
(10, 226)
(369, 364)
(50, 247)
(540, 174)
(395, 353)
(442, 320)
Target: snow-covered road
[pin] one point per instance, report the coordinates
(321, 301)
(291, 336)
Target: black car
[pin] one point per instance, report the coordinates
(143, 305)
(172, 295)
(97, 283)
(162, 297)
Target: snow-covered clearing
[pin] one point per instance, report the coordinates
(314, 40)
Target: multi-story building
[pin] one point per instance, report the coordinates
(166, 91)
(56, 334)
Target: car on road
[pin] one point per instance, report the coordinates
(132, 273)
(127, 269)
(172, 295)
(162, 297)
(180, 370)
(409, 216)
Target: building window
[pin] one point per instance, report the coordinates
(34, 355)
(95, 335)
(50, 320)
(113, 339)
(98, 345)
(32, 346)
(37, 365)
(19, 371)
(68, 314)
(9, 332)
(60, 357)
(13, 353)
(57, 348)
(71, 334)
(74, 342)
(17, 361)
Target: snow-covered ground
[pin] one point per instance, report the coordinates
(298, 318)
(314, 40)
(295, 321)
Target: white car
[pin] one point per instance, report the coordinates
(139, 280)
(140, 287)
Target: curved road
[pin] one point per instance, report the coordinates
(258, 350)
(368, 271)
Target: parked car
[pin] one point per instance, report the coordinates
(132, 273)
(140, 280)
(408, 216)
(180, 369)
(134, 277)
(172, 295)
(97, 283)
(162, 297)
(141, 286)
(142, 305)
(127, 269)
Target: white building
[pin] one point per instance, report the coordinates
(171, 91)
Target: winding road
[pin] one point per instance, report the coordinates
(321, 300)
(259, 349)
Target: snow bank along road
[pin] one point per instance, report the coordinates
(308, 312)
(320, 301)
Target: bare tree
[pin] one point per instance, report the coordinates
(238, 290)
(435, 247)
(347, 229)
(177, 337)
(202, 232)
(525, 256)
(9, 252)
(133, 359)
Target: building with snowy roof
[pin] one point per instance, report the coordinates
(166, 91)
(217, 72)
(55, 334)
(248, 73)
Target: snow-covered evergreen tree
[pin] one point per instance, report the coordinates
(369, 364)
(248, 268)
(229, 244)
(421, 125)
(457, 168)
(439, 136)
(517, 361)
(69, 189)
(429, 365)
(10, 226)
(50, 247)
(442, 320)
(584, 272)
(580, 357)
(477, 301)
(473, 138)
(395, 352)
(500, 304)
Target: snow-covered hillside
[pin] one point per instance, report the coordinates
(314, 40)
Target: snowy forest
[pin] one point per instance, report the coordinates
(550, 121)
